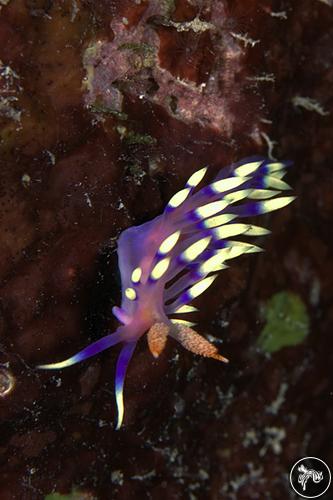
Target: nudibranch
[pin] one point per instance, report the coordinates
(169, 261)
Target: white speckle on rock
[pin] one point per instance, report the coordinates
(270, 145)
(251, 437)
(179, 406)
(282, 15)
(315, 292)
(195, 25)
(309, 104)
(117, 477)
(245, 39)
(26, 180)
(58, 382)
(274, 407)
(326, 2)
(87, 197)
(52, 157)
(147, 475)
(203, 475)
(265, 77)
(274, 436)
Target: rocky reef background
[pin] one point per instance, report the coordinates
(106, 107)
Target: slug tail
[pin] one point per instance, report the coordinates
(122, 364)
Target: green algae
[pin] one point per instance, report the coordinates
(59, 496)
(131, 137)
(135, 138)
(103, 109)
(147, 54)
(287, 322)
(74, 495)
(137, 47)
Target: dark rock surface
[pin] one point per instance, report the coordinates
(106, 107)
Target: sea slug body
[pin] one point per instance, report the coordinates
(172, 259)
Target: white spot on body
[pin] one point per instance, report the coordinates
(248, 168)
(210, 209)
(179, 198)
(194, 250)
(275, 183)
(213, 264)
(257, 231)
(185, 309)
(237, 195)
(130, 293)
(136, 275)
(230, 230)
(196, 178)
(270, 205)
(160, 269)
(201, 286)
(227, 184)
(182, 322)
(219, 220)
(169, 242)
(262, 194)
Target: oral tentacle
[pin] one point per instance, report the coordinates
(89, 351)
(122, 365)
(121, 315)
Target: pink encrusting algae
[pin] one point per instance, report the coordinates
(169, 261)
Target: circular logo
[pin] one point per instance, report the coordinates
(310, 477)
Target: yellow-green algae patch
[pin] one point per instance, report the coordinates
(287, 322)
(74, 495)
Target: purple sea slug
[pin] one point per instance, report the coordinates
(171, 260)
